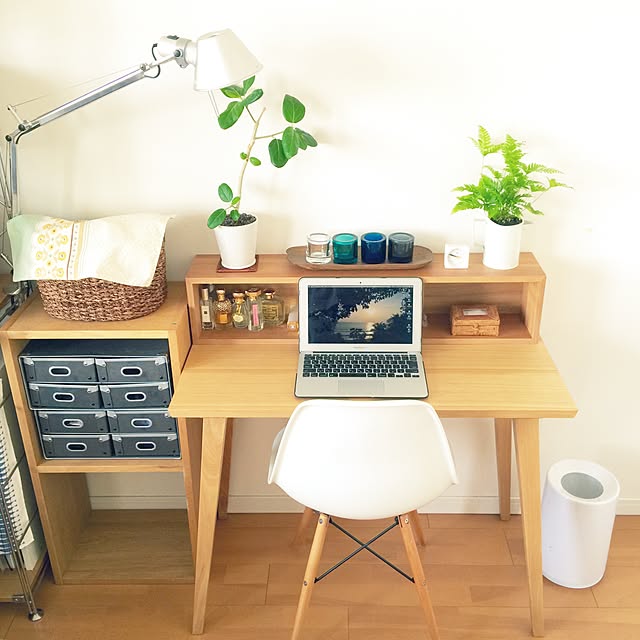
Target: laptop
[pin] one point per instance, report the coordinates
(360, 337)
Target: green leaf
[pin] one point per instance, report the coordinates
(292, 109)
(253, 96)
(463, 206)
(277, 154)
(554, 183)
(216, 218)
(255, 161)
(230, 115)
(246, 85)
(234, 215)
(225, 192)
(290, 142)
(243, 156)
(233, 91)
(235, 201)
(307, 138)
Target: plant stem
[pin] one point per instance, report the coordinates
(271, 135)
(248, 152)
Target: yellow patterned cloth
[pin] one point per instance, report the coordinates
(122, 249)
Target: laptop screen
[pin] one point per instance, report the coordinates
(350, 313)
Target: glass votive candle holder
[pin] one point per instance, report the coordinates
(373, 247)
(318, 248)
(400, 247)
(345, 248)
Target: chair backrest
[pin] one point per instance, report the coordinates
(361, 460)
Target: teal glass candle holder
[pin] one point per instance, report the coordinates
(345, 248)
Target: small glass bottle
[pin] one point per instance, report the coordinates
(256, 321)
(205, 309)
(240, 311)
(272, 309)
(222, 310)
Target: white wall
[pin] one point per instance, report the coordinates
(392, 91)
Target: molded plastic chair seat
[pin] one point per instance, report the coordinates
(361, 461)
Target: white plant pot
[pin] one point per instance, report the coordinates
(237, 245)
(501, 245)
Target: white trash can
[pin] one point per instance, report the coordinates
(578, 510)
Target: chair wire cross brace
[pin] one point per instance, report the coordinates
(365, 546)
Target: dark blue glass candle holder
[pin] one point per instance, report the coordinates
(373, 247)
(345, 248)
(400, 247)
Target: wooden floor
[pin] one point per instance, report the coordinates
(474, 565)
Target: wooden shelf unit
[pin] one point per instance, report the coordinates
(124, 546)
(518, 294)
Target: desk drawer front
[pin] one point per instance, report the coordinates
(59, 370)
(63, 396)
(133, 370)
(141, 422)
(80, 446)
(72, 422)
(135, 396)
(151, 445)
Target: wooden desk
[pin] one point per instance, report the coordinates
(510, 381)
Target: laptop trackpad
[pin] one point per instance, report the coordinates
(363, 388)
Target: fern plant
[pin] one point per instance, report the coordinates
(283, 146)
(506, 193)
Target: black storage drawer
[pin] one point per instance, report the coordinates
(63, 396)
(80, 446)
(150, 445)
(59, 370)
(141, 422)
(133, 370)
(72, 422)
(133, 396)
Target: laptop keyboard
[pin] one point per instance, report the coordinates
(360, 365)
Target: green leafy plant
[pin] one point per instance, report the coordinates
(506, 193)
(283, 145)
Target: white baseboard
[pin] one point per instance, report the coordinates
(284, 504)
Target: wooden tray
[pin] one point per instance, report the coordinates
(421, 256)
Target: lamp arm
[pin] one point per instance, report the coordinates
(26, 126)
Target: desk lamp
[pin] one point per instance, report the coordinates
(219, 59)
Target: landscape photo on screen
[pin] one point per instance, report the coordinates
(360, 315)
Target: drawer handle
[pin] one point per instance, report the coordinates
(63, 397)
(76, 446)
(146, 446)
(141, 423)
(73, 423)
(59, 371)
(135, 396)
(131, 371)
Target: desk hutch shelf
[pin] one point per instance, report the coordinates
(118, 546)
(518, 294)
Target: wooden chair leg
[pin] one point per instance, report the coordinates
(418, 574)
(310, 573)
(417, 528)
(303, 526)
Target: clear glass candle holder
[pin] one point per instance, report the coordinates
(373, 247)
(400, 247)
(345, 248)
(318, 248)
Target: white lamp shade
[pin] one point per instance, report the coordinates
(221, 59)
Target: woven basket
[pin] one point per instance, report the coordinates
(91, 299)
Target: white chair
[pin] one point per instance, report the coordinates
(361, 461)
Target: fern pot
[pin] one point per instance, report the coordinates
(237, 244)
(502, 245)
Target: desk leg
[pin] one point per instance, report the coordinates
(213, 437)
(527, 439)
(502, 428)
(223, 500)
